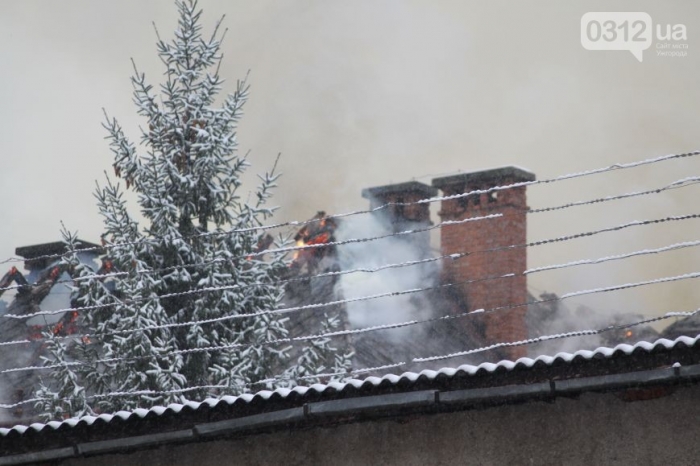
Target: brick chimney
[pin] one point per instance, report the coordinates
(510, 229)
(408, 217)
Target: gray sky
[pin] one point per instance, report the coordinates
(364, 93)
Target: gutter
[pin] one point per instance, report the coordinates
(372, 407)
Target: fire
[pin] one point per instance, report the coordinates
(297, 253)
(320, 239)
(314, 233)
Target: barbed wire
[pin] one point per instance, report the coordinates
(672, 247)
(415, 322)
(269, 381)
(297, 308)
(195, 388)
(547, 300)
(285, 250)
(684, 182)
(296, 223)
(558, 336)
(680, 183)
(642, 252)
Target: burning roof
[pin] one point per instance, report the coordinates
(316, 233)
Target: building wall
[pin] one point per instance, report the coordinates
(590, 430)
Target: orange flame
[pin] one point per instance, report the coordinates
(298, 252)
(320, 239)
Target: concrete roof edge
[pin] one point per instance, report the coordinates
(489, 175)
(56, 247)
(407, 186)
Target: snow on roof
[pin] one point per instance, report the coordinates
(405, 380)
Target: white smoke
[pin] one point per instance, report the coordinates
(379, 253)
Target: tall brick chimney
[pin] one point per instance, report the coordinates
(510, 229)
(404, 217)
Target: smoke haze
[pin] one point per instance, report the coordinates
(372, 255)
(369, 93)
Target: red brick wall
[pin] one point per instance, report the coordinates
(505, 324)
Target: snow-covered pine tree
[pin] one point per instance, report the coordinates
(153, 336)
(321, 360)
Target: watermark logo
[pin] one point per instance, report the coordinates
(631, 31)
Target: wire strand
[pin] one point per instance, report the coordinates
(558, 336)
(616, 166)
(277, 250)
(599, 260)
(268, 381)
(298, 308)
(684, 182)
(380, 327)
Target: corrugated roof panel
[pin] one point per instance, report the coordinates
(391, 379)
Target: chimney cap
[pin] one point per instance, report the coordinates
(490, 176)
(407, 187)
